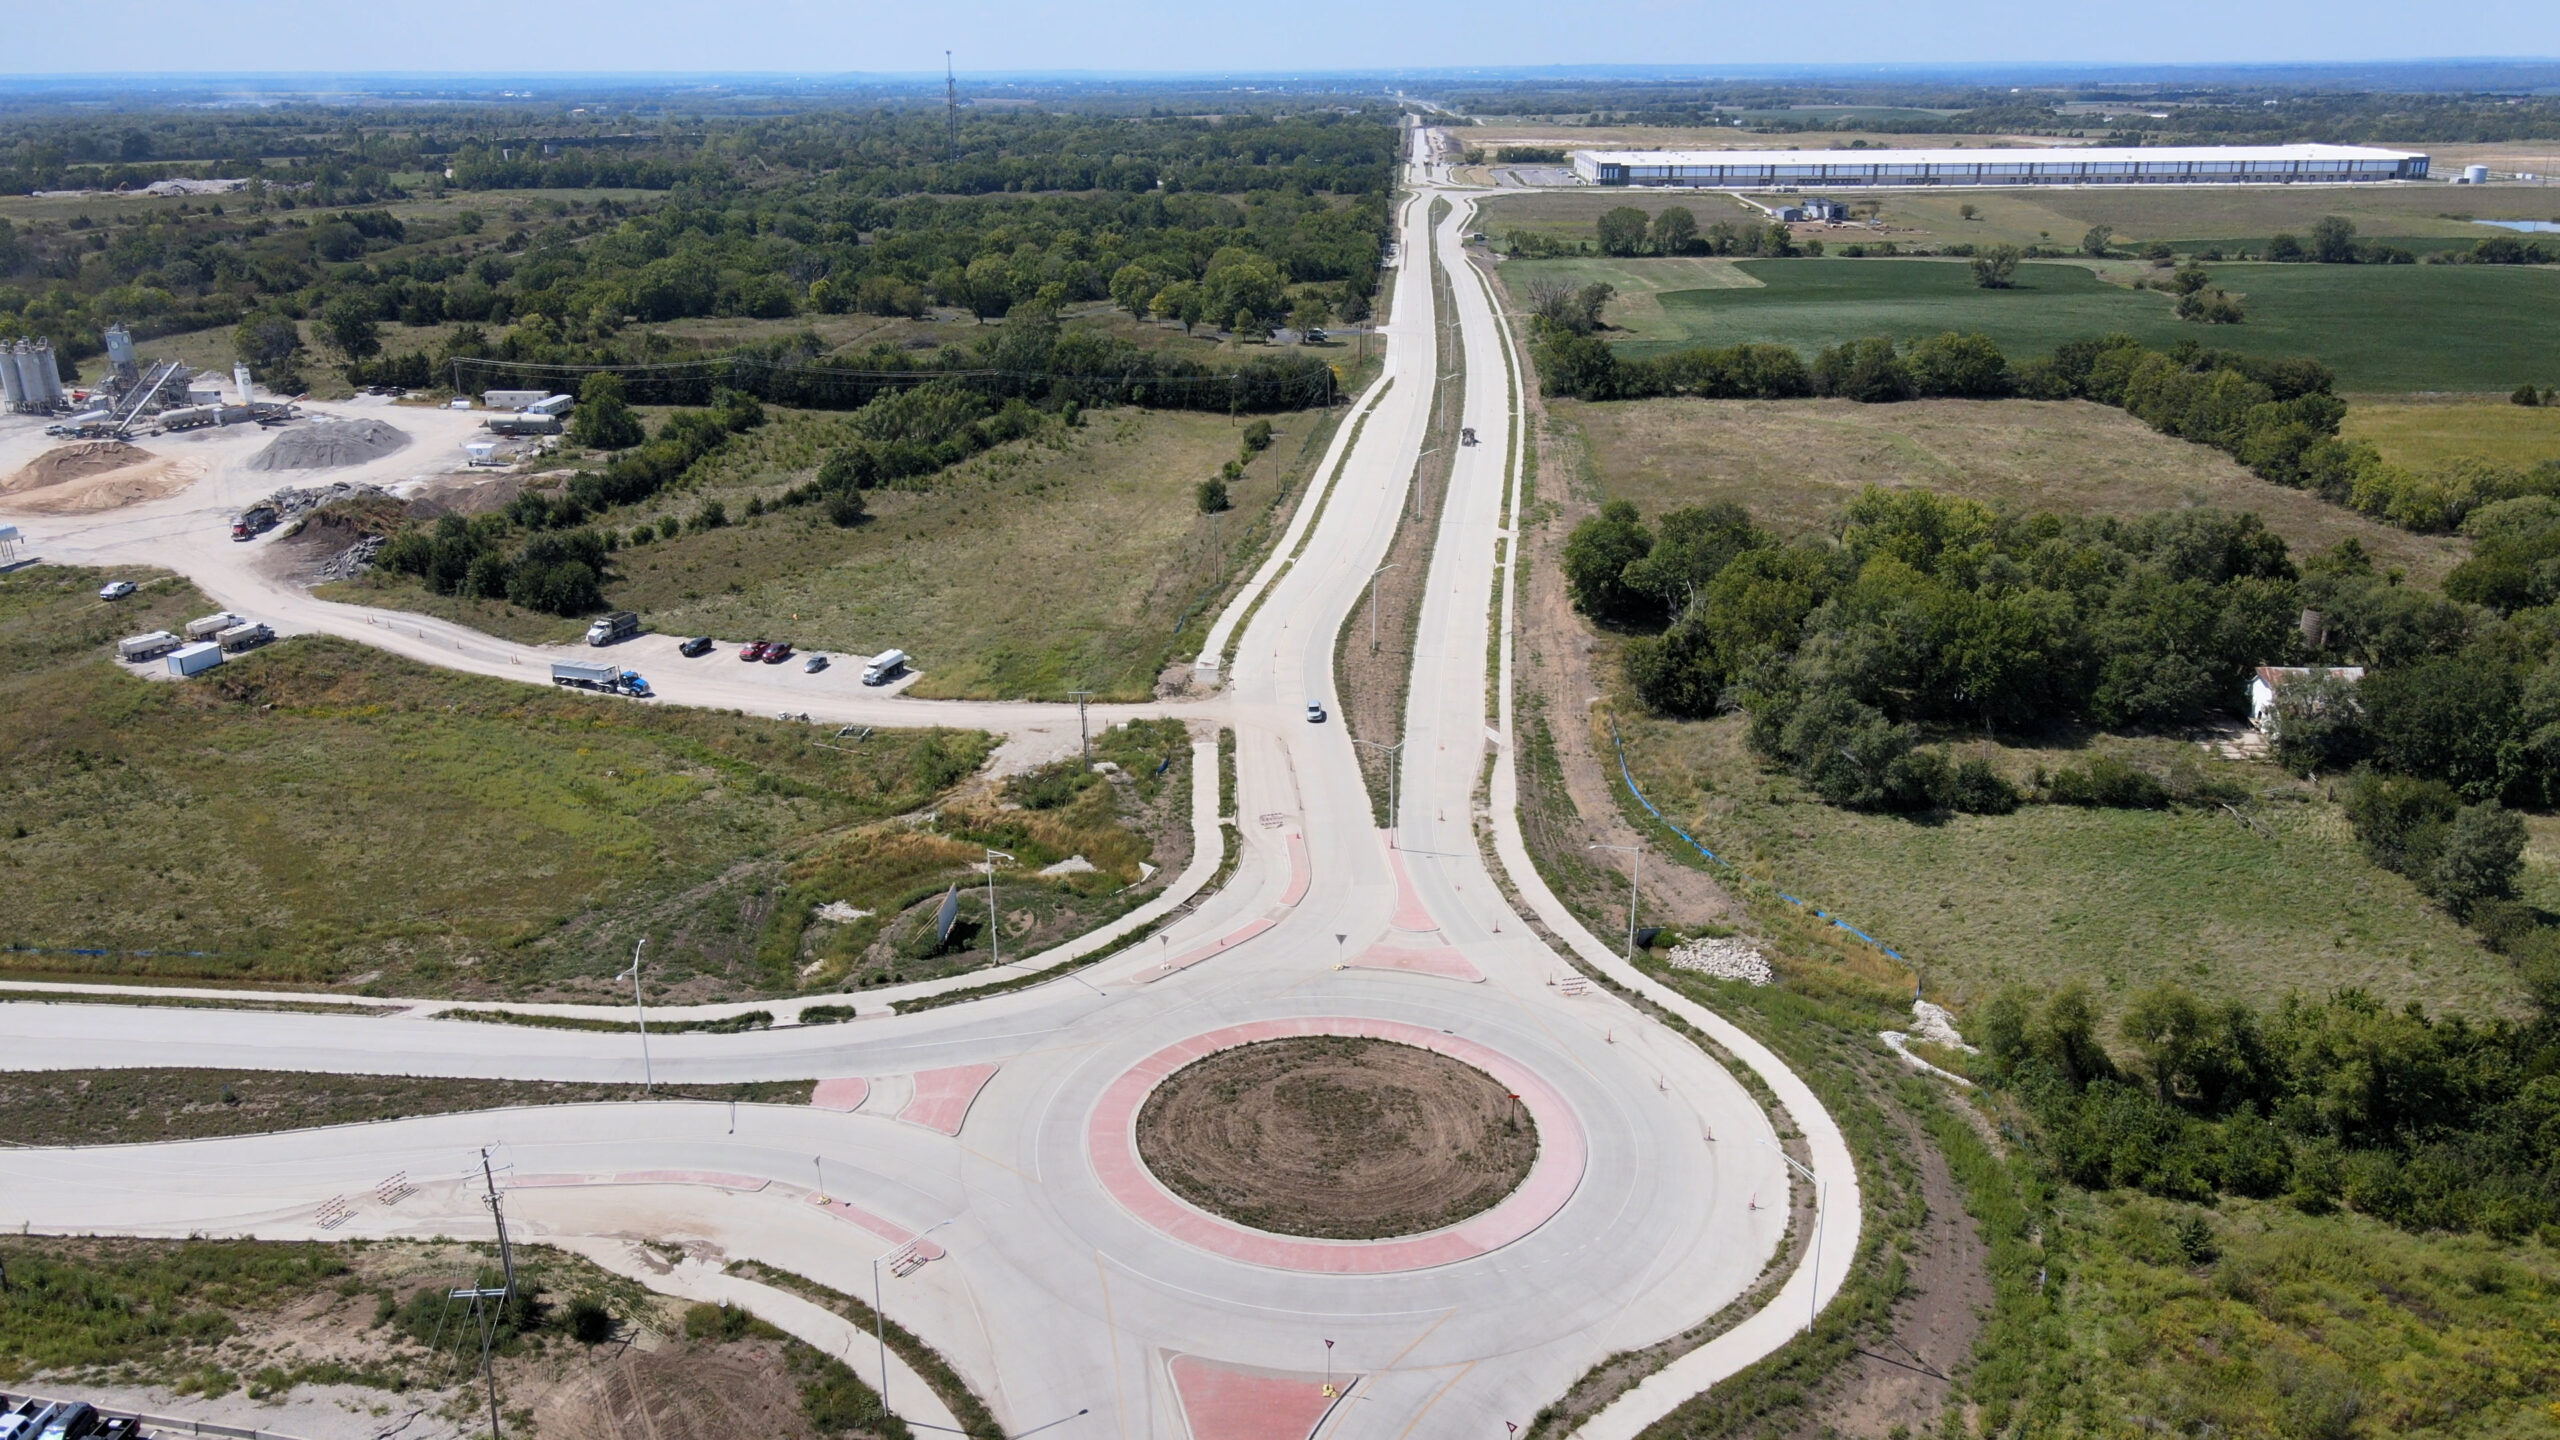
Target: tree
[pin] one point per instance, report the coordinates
(2211, 305)
(269, 345)
(1181, 301)
(349, 323)
(1211, 495)
(1996, 268)
(604, 420)
(987, 287)
(1310, 313)
(2285, 246)
(1132, 286)
(2526, 395)
(1969, 210)
(2482, 853)
(1865, 370)
(1623, 231)
(2318, 725)
(1596, 558)
(2333, 240)
(1675, 231)
(2096, 240)
(1238, 279)
(1969, 366)
(847, 509)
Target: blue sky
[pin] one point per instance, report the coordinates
(832, 36)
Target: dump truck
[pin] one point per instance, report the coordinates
(884, 667)
(134, 649)
(619, 625)
(599, 675)
(247, 636)
(205, 627)
(253, 522)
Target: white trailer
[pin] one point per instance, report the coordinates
(205, 627)
(194, 659)
(512, 399)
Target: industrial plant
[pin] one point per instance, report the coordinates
(165, 394)
(2150, 165)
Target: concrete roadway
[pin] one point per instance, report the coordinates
(1053, 1298)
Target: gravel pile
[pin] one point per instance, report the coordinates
(330, 444)
(349, 563)
(293, 502)
(1724, 959)
(1932, 1023)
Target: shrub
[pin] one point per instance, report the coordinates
(589, 1322)
(1211, 495)
(2107, 781)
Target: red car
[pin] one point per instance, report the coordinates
(776, 653)
(754, 650)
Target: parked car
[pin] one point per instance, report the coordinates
(816, 664)
(698, 645)
(115, 590)
(1315, 713)
(753, 650)
(777, 652)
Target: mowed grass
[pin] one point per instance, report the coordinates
(316, 812)
(1076, 559)
(2380, 327)
(1795, 463)
(2425, 436)
(1635, 313)
(2118, 899)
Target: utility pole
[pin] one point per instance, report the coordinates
(482, 1299)
(1083, 735)
(995, 926)
(951, 106)
(1635, 867)
(648, 1074)
(1373, 605)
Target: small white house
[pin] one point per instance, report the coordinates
(2273, 678)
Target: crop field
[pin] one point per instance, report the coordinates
(2120, 899)
(317, 812)
(2384, 329)
(2424, 436)
(1794, 463)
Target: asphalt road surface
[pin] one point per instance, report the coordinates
(1060, 1283)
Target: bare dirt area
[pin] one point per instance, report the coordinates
(1336, 1138)
(679, 1392)
(93, 475)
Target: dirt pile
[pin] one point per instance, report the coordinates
(66, 463)
(330, 444)
(1336, 1138)
(93, 475)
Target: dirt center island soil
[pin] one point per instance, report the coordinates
(1336, 1138)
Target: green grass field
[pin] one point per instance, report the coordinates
(2382, 328)
(2120, 899)
(1795, 463)
(319, 812)
(2423, 437)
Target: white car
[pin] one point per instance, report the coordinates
(1315, 713)
(115, 590)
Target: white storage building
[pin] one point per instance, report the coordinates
(2055, 165)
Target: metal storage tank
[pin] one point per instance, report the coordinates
(47, 371)
(22, 370)
(120, 350)
(2475, 174)
(12, 394)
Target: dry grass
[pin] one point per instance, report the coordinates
(1794, 463)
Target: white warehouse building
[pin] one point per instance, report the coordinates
(2057, 165)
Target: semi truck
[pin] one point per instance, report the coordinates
(884, 667)
(599, 675)
(205, 627)
(134, 649)
(620, 625)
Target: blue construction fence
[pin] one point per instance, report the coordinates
(1665, 822)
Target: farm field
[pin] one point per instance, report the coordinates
(317, 812)
(1794, 463)
(2424, 436)
(2381, 328)
(2119, 899)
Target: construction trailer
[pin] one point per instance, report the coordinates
(194, 659)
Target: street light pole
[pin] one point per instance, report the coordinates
(648, 1075)
(1395, 773)
(880, 1317)
(995, 925)
(1083, 736)
(1373, 605)
(1821, 1214)
(1635, 869)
